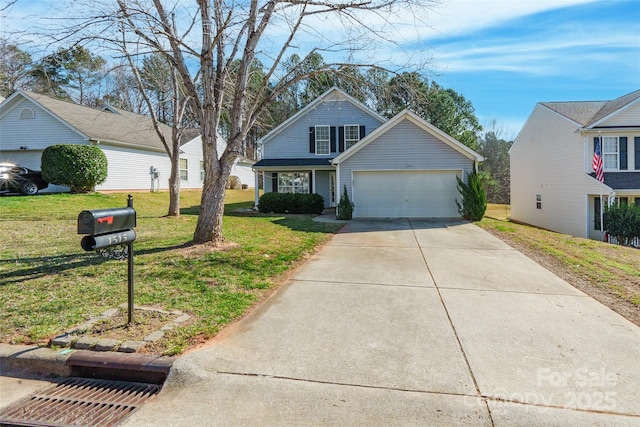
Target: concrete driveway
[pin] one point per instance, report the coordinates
(411, 322)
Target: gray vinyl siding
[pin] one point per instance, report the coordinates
(267, 181)
(293, 141)
(322, 186)
(403, 147)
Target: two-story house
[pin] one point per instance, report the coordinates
(553, 185)
(400, 167)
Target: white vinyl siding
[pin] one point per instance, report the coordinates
(323, 140)
(351, 135)
(129, 168)
(549, 157)
(627, 117)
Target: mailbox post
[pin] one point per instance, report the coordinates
(106, 228)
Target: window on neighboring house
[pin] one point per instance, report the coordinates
(323, 140)
(351, 135)
(538, 201)
(637, 201)
(27, 113)
(623, 201)
(294, 182)
(610, 152)
(201, 171)
(184, 170)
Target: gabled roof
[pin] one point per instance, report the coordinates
(420, 122)
(107, 125)
(589, 113)
(332, 94)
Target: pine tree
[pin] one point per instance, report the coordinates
(344, 209)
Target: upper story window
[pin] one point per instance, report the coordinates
(323, 140)
(351, 135)
(610, 152)
(27, 113)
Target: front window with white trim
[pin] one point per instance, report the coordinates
(295, 182)
(323, 140)
(610, 152)
(351, 135)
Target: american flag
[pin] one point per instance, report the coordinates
(597, 162)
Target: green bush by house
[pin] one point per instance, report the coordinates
(80, 167)
(291, 203)
(623, 222)
(474, 199)
(344, 210)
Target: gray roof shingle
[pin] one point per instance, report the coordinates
(586, 113)
(103, 125)
(621, 180)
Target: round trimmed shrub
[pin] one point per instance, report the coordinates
(80, 167)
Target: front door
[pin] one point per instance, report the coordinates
(332, 188)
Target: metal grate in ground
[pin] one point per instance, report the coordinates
(79, 402)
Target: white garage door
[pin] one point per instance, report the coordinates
(405, 194)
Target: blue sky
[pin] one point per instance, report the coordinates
(502, 55)
(581, 51)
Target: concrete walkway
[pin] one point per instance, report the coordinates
(413, 323)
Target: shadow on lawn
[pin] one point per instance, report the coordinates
(38, 267)
(229, 209)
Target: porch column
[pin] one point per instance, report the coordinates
(313, 181)
(256, 175)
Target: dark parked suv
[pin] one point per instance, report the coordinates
(18, 178)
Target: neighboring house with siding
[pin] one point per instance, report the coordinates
(553, 185)
(242, 167)
(30, 122)
(401, 167)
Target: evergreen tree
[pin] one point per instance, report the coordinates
(474, 199)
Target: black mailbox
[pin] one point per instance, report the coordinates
(106, 220)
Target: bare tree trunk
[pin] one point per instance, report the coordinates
(174, 185)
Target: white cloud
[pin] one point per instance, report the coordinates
(538, 54)
(457, 17)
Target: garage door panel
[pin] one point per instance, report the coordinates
(380, 194)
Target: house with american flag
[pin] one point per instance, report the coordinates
(572, 158)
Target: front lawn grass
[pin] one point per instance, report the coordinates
(609, 273)
(48, 284)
